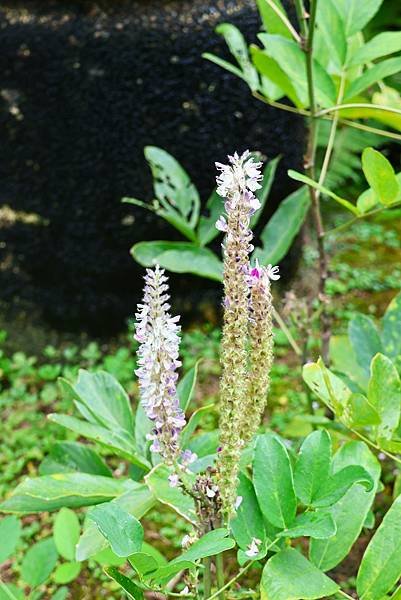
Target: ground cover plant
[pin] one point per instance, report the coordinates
(271, 510)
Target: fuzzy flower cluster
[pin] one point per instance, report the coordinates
(246, 301)
(157, 332)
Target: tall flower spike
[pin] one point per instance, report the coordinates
(261, 347)
(157, 332)
(236, 183)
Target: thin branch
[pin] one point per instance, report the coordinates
(376, 130)
(371, 213)
(373, 445)
(302, 17)
(285, 20)
(280, 105)
(337, 107)
(286, 332)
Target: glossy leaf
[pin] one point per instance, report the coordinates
(391, 334)
(378, 72)
(380, 568)
(319, 525)
(314, 184)
(10, 533)
(350, 512)
(271, 71)
(186, 386)
(158, 483)
(365, 340)
(65, 457)
(282, 228)
(67, 572)
(288, 575)
(39, 562)
(122, 530)
(291, 59)
(270, 19)
(384, 394)
(130, 588)
(356, 14)
(71, 490)
(248, 521)
(380, 175)
(273, 481)
(66, 531)
(339, 484)
(179, 257)
(380, 45)
(312, 468)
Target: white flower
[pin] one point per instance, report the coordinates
(238, 502)
(253, 548)
(185, 591)
(272, 272)
(221, 224)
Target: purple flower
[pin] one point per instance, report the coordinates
(158, 358)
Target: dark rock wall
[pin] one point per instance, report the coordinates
(83, 88)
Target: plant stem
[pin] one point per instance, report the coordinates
(310, 171)
(233, 580)
(284, 19)
(207, 577)
(302, 17)
(286, 332)
(345, 595)
(337, 107)
(220, 574)
(373, 445)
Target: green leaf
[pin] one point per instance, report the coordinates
(117, 442)
(318, 525)
(66, 533)
(207, 230)
(165, 573)
(380, 568)
(343, 360)
(339, 484)
(328, 387)
(262, 194)
(314, 184)
(360, 412)
(172, 186)
(132, 590)
(65, 457)
(270, 19)
(356, 14)
(273, 481)
(291, 59)
(391, 334)
(283, 226)
(332, 27)
(106, 557)
(239, 49)
(365, 340)
(10, 533)
(384, 394)
(213, 542)
(102, 400)
(10, 592)
(290, 576)
(143, 563)
(378, 72)
(72, 490)
(67, 572)
(248, 521)
(380, 175)
(137, 502)
(158, 483)
(123, 531)
(192, 425)
(186, 386)
(313, 466)
(269, 69)
(350, 512)
(179, 257)
(39, 562)
(381, 45)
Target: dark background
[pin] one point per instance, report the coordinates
(83, 88)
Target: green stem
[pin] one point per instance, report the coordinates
(302, 19)
(284, 20)
(345, 595)
(337, 107)
(233, 580)
(220, 574)
(207, 577)
(373, 445)
(371, 213)
(286, 332)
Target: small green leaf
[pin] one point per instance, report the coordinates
(379, 71)
(391, 335)
(10, 592)
(270, 19)
(67, 572)
(313, 466)
(328, 387)
(186, 386)
(165, 573)
(39, 562)
(122, 530)
(248, 521)
(384, 394)
(380, 568)
(65, 457)
(271, 71)
(318, 525)
(10, 533)
(273, 481)
(158, 483)
(132, 590)
(213, 542)
(66, 532)
(284, 225)
(380, 175)
(356, 14)
(360, 412)
(339, 484)
(365, 340)
(381, 45)
(193, 423)
(143, 563)
(332, 27)
(290, 576)
(314, 184)
(239, 49)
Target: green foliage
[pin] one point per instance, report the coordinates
(66, 532)
(39, 562)
(10, 533)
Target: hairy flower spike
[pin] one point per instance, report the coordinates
(236, 183)
(157, 332)
(261, 347)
